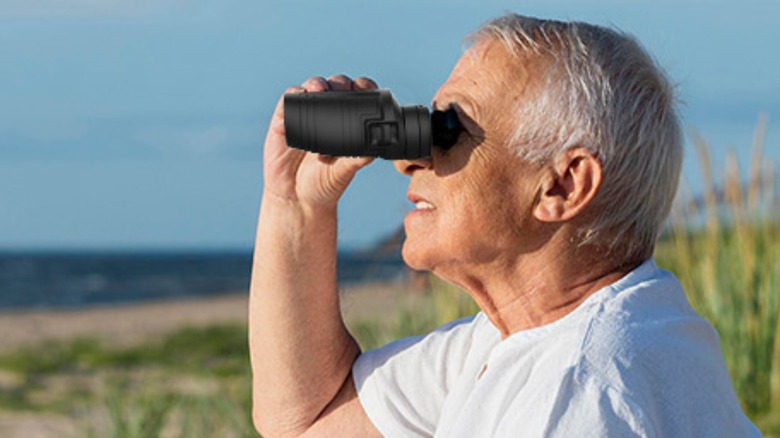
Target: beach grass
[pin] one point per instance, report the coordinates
(415, 314)
(725, 249)
(191, 383)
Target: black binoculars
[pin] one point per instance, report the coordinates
(367, 123)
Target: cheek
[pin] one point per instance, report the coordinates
(470, 223)
(475, 200)
(491, 211)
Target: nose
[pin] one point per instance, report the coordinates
(408, 167)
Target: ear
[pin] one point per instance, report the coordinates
(568, 186)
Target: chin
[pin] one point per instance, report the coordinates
(414, 257)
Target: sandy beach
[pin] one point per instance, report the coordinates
(120, 325)
(133, 323)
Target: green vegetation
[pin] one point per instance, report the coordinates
(726, 252)
(415, 314)
(193, 383)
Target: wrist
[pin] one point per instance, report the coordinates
(299, 227)
(293, 205)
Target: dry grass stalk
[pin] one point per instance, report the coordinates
(731, 270)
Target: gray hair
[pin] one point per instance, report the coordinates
(603, 92)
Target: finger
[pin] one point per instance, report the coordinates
(290, 90)
(341, 83)
(349, 166)
(364, 83)
(326, 159)
(316, 83)
(353, 163)
(343, 170)
(277, 121)
(279, 110)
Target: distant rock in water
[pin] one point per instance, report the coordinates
(380, 262)
(388, 250)
(391, 244)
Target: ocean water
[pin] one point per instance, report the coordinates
(63, 280)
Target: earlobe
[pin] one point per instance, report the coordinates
(569, 187)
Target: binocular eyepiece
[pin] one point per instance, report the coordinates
(367, 123)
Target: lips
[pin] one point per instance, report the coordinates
(420, 203)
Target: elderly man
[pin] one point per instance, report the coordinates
(546, 212)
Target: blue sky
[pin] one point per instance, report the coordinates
(139, 124)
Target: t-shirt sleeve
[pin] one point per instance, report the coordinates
(402, 386)
(589, 407)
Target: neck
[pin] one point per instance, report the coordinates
(525, 291)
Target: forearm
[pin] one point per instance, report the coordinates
(300, 349)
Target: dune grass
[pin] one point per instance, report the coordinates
(415, 314)
(725, 249)
(192, 383)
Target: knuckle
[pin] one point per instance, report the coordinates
(366, 82)
(340, 78)
(316, 82)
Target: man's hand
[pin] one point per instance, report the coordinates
(307, 178)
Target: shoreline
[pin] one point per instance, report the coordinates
(120, 325)
(133, 323)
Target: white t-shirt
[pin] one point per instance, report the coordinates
(634, 359)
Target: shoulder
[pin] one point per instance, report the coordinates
(647, 329)
(649, 348)
(438, 356)
(404, 385)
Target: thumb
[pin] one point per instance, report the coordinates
(344, 170)
(350, 166)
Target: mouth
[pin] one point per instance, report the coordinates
(420, 203)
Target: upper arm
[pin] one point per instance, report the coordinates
(402, 384)
(588, 405)
(344, 416)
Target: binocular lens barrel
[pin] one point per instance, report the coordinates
(367, 123)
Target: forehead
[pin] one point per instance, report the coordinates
(488, 73)
(485, 56)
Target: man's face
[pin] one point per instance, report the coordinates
(481, 193)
